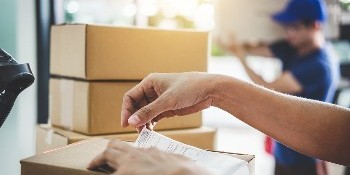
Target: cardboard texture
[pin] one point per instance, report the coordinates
(74, 158)
(96, 52)
(94, 107)
(48, 138)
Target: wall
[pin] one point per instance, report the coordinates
(17, 36)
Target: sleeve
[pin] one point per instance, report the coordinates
(281, 50)
(311, 75)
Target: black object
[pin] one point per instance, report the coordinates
(345, 70)
(347, 171)
(344, 32)
(45, 17)
(14, 78)
(104, 168)
(345, 74)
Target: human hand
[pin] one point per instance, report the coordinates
(126, 159)
(166, 95)
(233, 46)
(241, 49)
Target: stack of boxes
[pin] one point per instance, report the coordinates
(93, 66)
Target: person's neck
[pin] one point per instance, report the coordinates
(316, 43)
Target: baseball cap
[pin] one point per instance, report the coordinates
(299, 10)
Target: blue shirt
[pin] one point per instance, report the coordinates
(318, 74)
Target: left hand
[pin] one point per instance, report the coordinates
(128, 160)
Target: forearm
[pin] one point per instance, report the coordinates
(262, 50)
(242, 54)
(313, 128)
(257, 79)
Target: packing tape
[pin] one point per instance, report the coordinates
(67, 102)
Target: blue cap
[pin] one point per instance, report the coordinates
(300, 10)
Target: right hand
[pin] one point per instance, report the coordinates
(126, 159)
(240, 49)
(165, 95)
(232, 46)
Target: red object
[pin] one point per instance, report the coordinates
(321, 167)
(268, 145)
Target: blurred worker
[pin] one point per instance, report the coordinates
(310, 70)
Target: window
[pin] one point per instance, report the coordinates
(169, 14)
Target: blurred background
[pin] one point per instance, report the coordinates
(25, 31)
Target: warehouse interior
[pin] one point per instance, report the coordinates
(70, 100)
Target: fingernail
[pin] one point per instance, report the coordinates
(134, 120)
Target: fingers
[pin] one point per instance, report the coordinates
(110, 156)
(128, 109)
(139, 129)
(136, 98)
(97, 161)
(113, 155)
(132, 101)
(150, 125)
(148, 112)
(152, 100)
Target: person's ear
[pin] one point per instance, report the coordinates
(317, 25)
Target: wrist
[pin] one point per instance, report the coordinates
(211, 83)
(219, 85)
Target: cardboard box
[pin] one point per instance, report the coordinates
(262, 29)
(94, 107)
(96, 52)
(48, 138)
(74, 158)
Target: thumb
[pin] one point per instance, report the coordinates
(148, 112)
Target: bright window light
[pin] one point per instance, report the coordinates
(73, 7)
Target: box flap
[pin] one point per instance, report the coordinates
(75, 157)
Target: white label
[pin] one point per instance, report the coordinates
(217, 163)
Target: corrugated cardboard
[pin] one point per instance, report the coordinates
(74, 158)
(94, 107)
(96, 52)
(48, 138)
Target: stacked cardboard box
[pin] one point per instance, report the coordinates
(74, 158)
(96, 65)
(49, 138)
(93, 108)
(93, 66)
